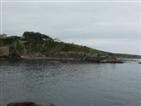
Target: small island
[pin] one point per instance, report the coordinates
(34, 45)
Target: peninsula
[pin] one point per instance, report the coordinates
(34, 45)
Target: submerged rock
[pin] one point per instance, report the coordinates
(23, 104)
(51, 105)
(26, 104)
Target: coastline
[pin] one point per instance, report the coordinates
(60, 59)
(35, 46)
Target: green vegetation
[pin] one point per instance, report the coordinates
(34, 44)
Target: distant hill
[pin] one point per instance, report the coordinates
(37, 45)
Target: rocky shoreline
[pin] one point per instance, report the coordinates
(60, 59)
(10, 53)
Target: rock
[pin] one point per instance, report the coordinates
(51, 105)
(13, 54)
(23, 104)
(4, 51)
(9, 52)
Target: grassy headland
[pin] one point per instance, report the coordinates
(34, 45)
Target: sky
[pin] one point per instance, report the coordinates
(106, 25)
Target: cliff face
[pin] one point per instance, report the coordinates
(7, 52)
(4, 51)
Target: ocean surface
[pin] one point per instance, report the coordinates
(70, 84)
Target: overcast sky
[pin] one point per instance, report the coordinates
(107, 26)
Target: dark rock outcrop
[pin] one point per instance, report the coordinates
(13, 54)
(26, 104)
(23, 104)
